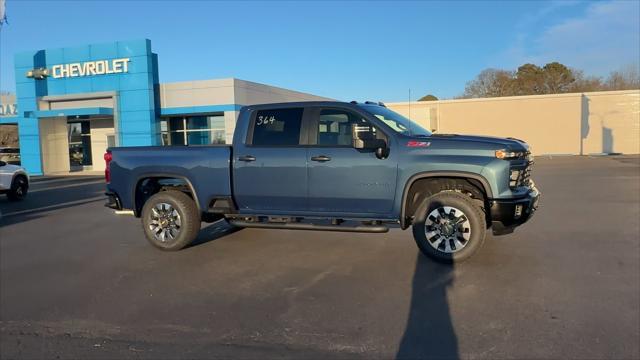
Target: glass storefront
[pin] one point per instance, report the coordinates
(79, 134)
(9, 144)
(193, 130)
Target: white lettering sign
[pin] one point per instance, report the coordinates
(98, 67)
(8, 110)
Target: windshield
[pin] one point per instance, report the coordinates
(397, 122)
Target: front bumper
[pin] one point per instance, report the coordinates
(506, 215)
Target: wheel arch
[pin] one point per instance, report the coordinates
(18, 174)
(138, 198)
(475, 180)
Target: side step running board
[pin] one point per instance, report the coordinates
(302, 226)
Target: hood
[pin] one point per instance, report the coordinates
(503, 143)
(9, 168)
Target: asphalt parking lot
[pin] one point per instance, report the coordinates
(78, 282)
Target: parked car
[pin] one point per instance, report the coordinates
(14, 181)
(337, 166)
(10, 155)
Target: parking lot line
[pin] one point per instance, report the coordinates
(39, 181)
(67, 186)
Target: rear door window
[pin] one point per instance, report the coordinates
(277, 127)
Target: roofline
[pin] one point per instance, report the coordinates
(519, 97)
(300, 103)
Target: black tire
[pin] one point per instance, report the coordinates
(475, 223)
(175, 237)
(19, 188)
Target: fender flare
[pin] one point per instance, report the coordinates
(163, 175)
(434, 174)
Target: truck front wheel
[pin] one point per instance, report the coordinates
(170, 220)
(449, 227)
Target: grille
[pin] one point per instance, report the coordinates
(524, 173)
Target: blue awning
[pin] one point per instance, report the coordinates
(9, 120)
(188, 110)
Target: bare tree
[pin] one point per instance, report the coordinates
(626, 78)
(490, 83)
(585, 83)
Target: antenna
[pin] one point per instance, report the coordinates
(409, 103)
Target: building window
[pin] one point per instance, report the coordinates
(193, 130)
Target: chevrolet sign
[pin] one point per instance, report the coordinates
(8, 110)
(89, 68)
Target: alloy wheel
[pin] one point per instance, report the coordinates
(165, 222)
(20, 188)
(448, 229)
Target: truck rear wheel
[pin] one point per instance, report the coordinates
(449, 227)
(170, 220)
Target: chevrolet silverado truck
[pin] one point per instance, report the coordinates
(332, 166)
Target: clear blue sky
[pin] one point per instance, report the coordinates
(344, 50)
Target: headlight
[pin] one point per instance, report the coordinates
(507, 155)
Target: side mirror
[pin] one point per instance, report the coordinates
(369, 144)
(2, 163)
(364, 139)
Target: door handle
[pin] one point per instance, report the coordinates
(321, 158)
(247, 158)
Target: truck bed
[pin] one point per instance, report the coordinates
(205, 168)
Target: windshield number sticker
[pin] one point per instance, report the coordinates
(264, 120)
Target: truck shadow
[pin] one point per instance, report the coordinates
(429, 333)
(45, 197)
(214, 231)
(11, 219)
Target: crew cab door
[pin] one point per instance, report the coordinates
(270, 169)
(343, 179)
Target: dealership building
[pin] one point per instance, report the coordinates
(72, 103)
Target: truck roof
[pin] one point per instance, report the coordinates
(311, 103)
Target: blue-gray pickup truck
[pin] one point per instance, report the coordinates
(333, 166)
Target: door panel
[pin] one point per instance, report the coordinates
(275, 180)
(351, 182)
(341, 178)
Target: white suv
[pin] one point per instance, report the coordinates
(14, 181)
